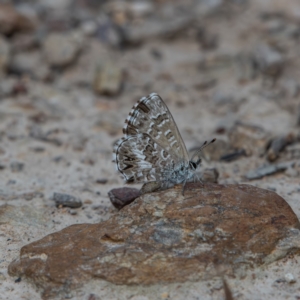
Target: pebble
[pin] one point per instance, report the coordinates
(122, 196)
(60, 49)
(267, 170)
(67, 200)
(289, 277)
(278, 144)
(101, 181)
(12, 21)
(72, 212)
(108, 79)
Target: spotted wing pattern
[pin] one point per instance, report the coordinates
(140, 159)
(152, 144)
(151, 115)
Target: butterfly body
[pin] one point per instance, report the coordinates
(152, 148)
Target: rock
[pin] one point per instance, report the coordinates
(102, 180)
(12, 21)
(61, 50)
(289, 277)
(108, 79)
(165, 237)
(252, 139)
(267, 170)
(66, 200)
(278, 144)
(123, 196)
(4, 55)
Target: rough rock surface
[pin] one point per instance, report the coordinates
(166, 237)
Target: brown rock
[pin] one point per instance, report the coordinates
(11, 20)
(166, 237)
(123, 196)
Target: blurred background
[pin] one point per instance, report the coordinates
(72, 69)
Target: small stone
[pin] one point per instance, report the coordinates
(289, 277)
(108, 79)
(210, 231)
(122, 196)
(16, 166)
(61, 50)
(101, 181)
(12, 21)
(278, 144)
(67, 200)
(267, 170)
(72, 212)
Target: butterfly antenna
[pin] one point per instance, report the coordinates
(204, 145)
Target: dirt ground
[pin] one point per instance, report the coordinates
(72, 70)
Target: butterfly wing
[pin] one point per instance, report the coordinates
(150, 115)
(140, 159)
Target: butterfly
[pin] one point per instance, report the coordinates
(152, 149)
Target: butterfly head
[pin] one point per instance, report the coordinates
(195, 164)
